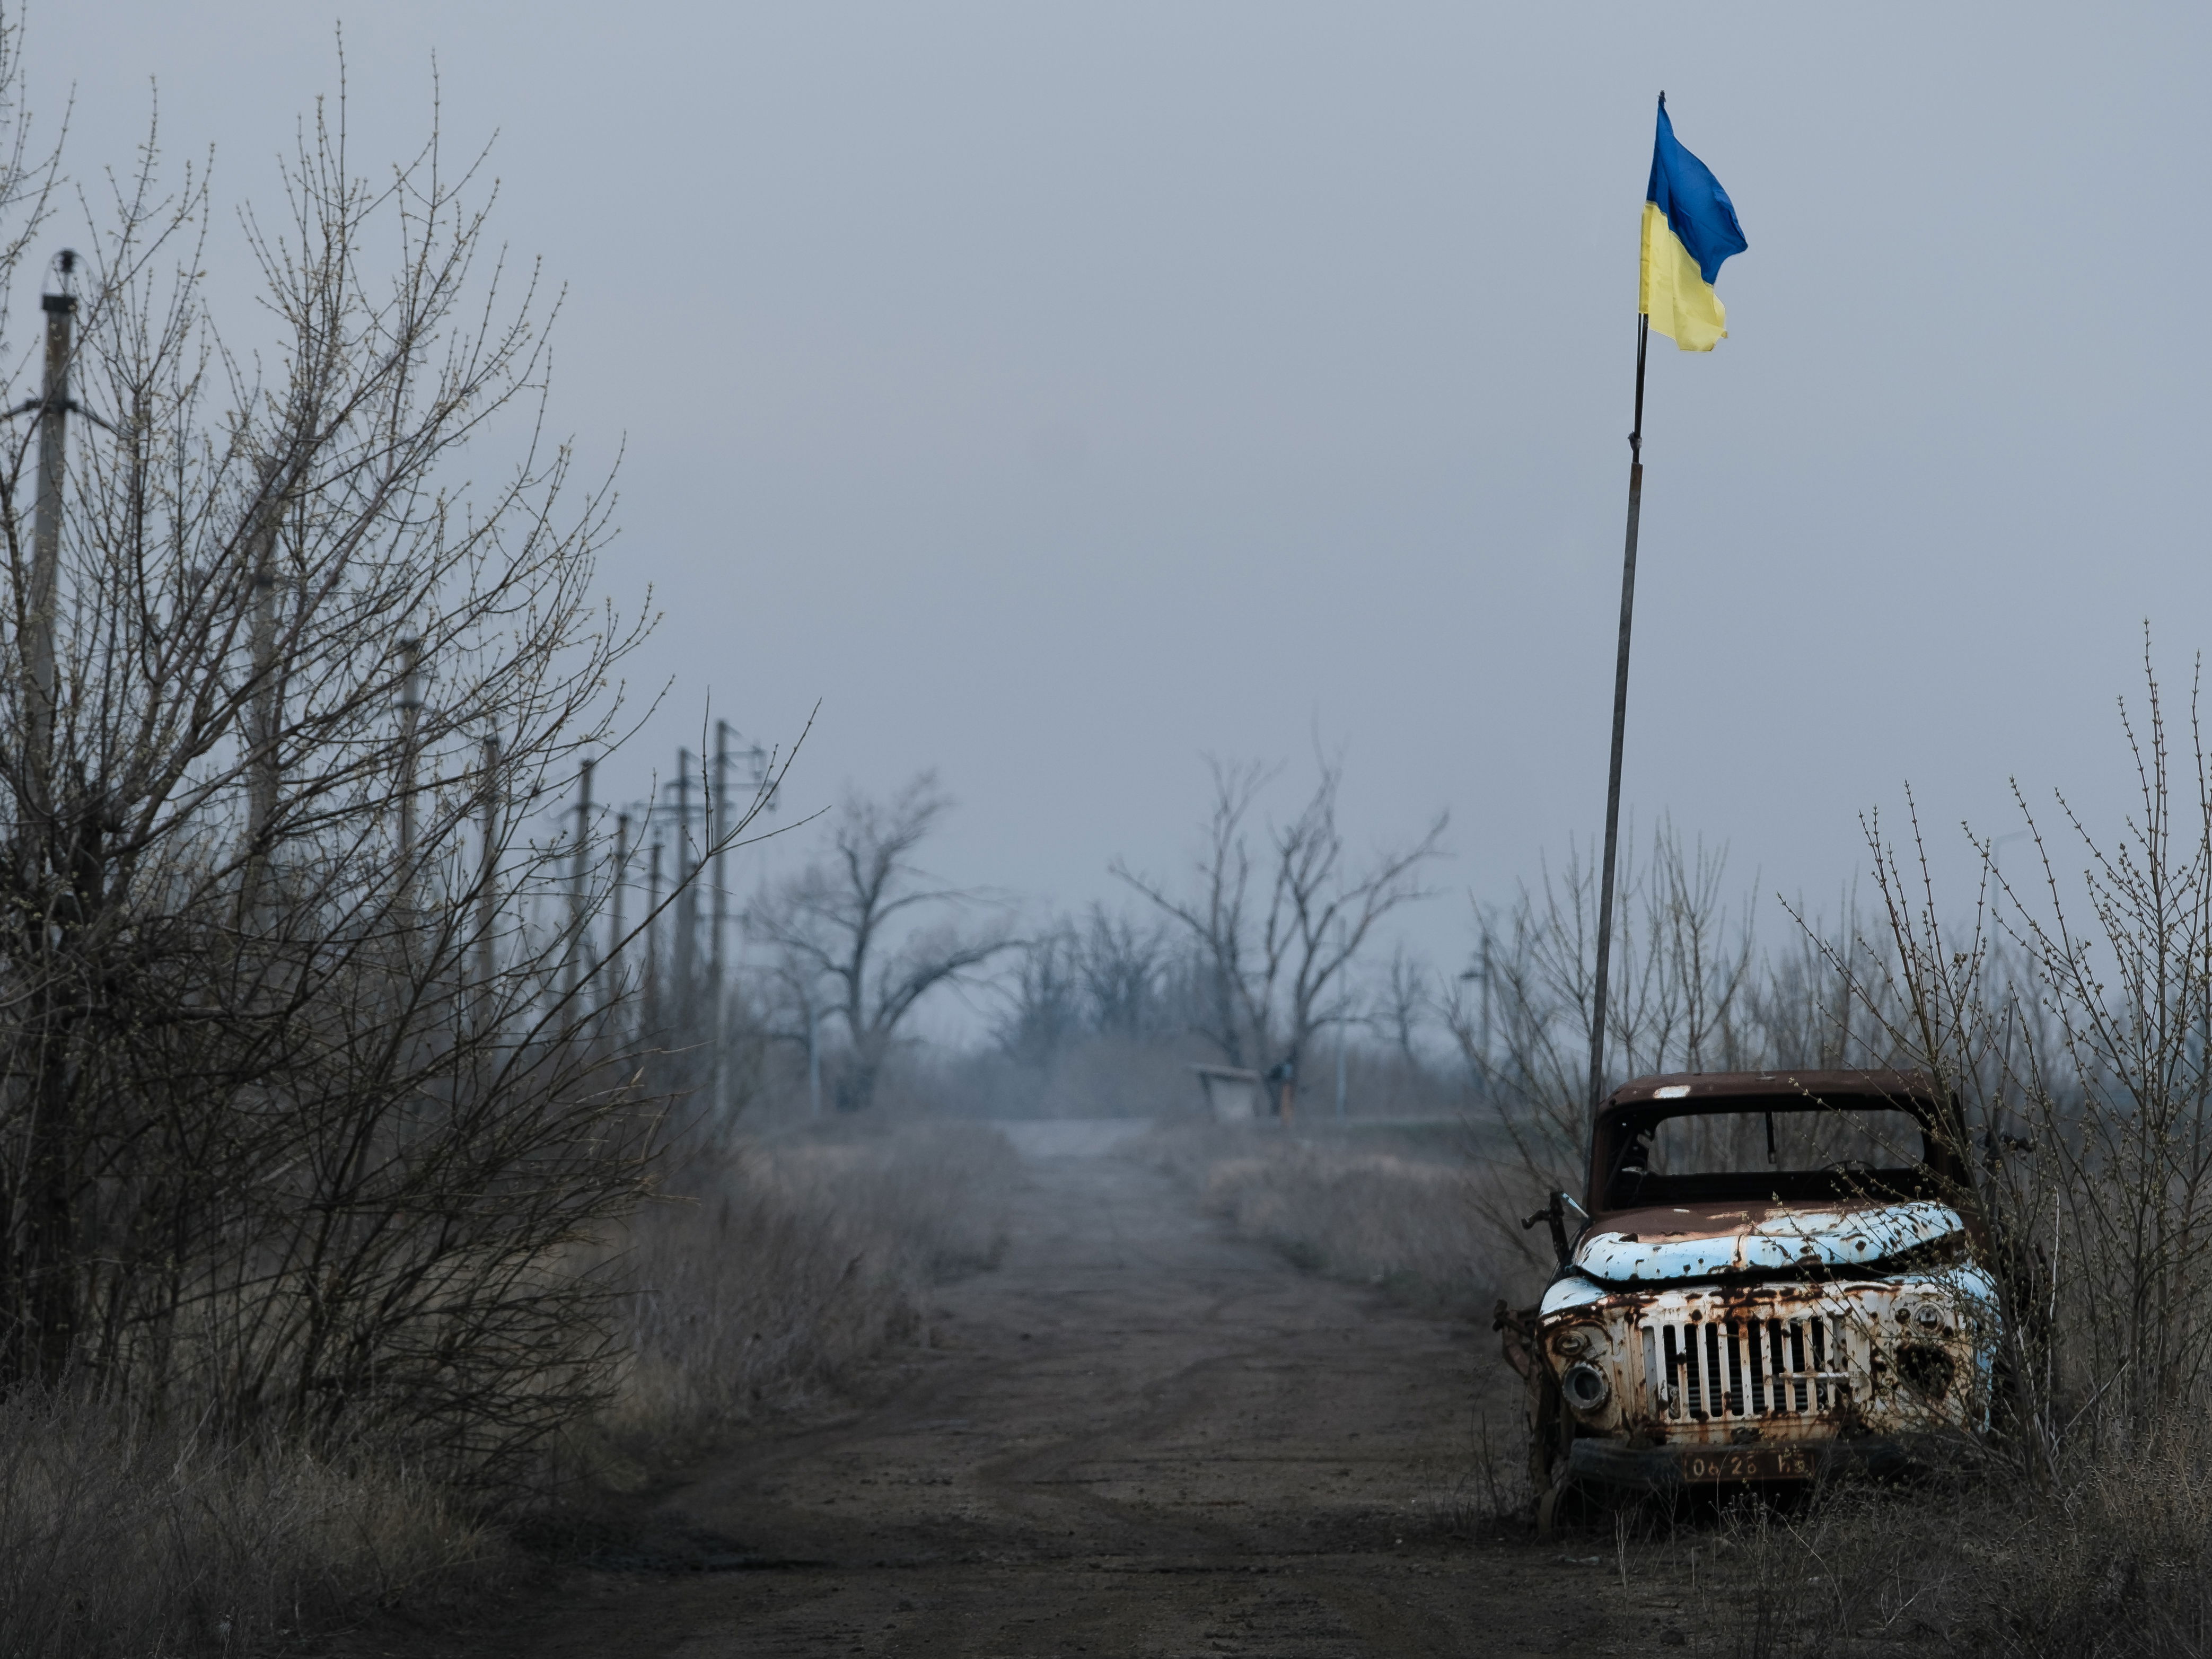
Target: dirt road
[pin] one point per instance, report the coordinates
(1138, 1436)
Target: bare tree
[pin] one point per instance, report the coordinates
(1044, 1008)
(1125, 970)
(299, 1113)
(1104, 977)
(866, 918)
(1405, 1001)
(1272, 956)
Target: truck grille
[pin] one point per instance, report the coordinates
(1708, 1369)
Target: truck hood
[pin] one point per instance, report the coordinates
(1653, 1246)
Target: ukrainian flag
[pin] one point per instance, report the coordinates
(1689, 228)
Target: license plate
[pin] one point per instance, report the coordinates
(1749, 1463)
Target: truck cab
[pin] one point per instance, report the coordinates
(1770, 1276)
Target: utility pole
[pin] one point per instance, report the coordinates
(652, 942)
(687, 898)
(407, 912)
(262, 712)
(40, 610)
(579, 876)
(720, 827)
(47, 1245)
(717, 817)
(411, 722)
(612, 986)
(488, 885)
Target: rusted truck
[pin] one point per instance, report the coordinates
(1769, 1277)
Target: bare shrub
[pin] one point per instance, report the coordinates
(123, 1535)
(2070, 1017)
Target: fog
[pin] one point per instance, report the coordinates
(1059, 395)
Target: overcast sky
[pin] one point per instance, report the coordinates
(1060, 392)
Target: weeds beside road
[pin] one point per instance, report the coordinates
(1390, 1204)
(770, 1270)
(769, 1275)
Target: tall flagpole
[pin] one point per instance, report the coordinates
(1619, 727)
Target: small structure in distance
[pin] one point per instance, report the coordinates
(1233, 1094)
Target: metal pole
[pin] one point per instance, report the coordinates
(1619, 729)
(1340, 1072)
(46, 525)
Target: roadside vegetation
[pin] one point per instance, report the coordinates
(761, 1282)
(1394, 1206)
(769, 1271)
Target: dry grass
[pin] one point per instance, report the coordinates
(777, 1268)
(2114, 1563)
(1402, 1215)
(2117, 1563)
(126, 1538)
(783, 1268)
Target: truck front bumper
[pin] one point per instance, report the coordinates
(1612, 1462)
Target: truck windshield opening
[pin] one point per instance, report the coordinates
(1790, 1149)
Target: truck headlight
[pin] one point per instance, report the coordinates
(1583, 1386)
(1925, 1370)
